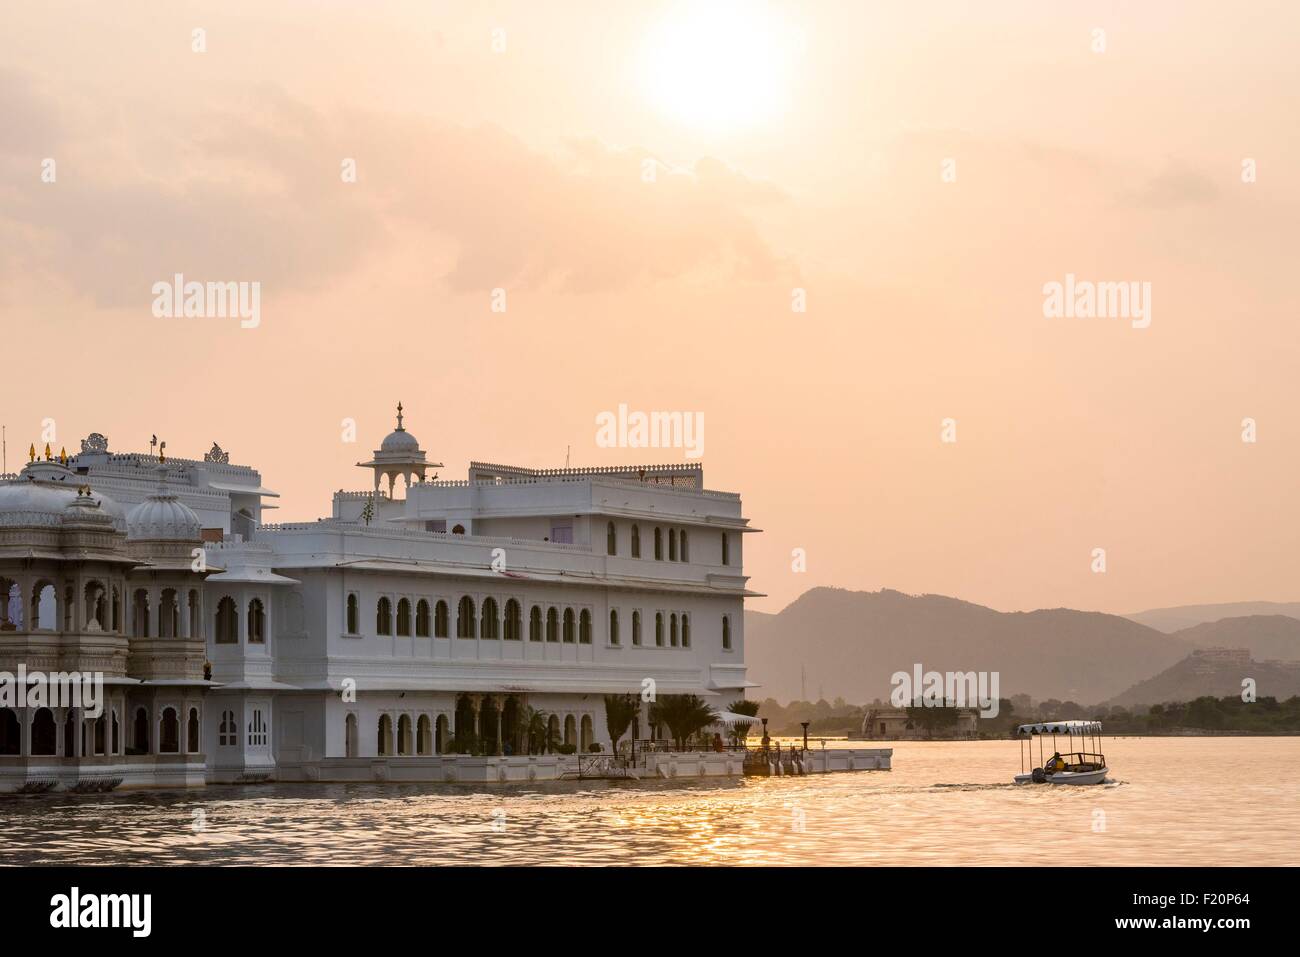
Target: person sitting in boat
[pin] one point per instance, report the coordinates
(1055, 763)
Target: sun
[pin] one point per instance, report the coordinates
(717, 65)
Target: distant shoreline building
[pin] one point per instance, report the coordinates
(421, 617)
(893, 724)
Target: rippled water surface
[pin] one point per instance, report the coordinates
(1173, 801)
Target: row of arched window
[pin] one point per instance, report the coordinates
(487, 622)
(43, 610)
(671, 629)
(227, 630)
(100, 737)
(678, 545)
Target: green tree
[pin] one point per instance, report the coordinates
(620, 709)
(740, 732)
(932, 719)
(684, 714)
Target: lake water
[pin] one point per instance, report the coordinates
(1175, 801)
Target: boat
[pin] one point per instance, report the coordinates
(1072, 767)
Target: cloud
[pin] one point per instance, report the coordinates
(255, 193)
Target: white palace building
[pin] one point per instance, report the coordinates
(417, 633)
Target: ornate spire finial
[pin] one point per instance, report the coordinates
(48, 456)
(31, 453)
(399, 417)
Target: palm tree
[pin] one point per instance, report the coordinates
(684, 714)
(537, 730)
(748, 708)
(620, 709)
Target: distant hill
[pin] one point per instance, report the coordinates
(1264, 636)
(851, 642)
(1180, 617)
(1217, 674)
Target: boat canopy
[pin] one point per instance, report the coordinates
(1061, 727)
(731, 718)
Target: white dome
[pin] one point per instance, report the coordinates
(26, 503)
(400, 441)
(162, 516)
(39, 504)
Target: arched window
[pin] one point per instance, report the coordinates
(258, 732)
(422, 619)
(440, 735)
(686, 552)
(514, 625)
(672, 630)
(458, 530)
(141, 731)
(568, 626)
(613, 626)
(659, 629)
(256, 622)
(169, 614)
(140, 614)
(169, 733)
(726, 549)
(404, 617)
(659, 545)
(465, 618)
(11, 732)
(672, 544)
(535, 624)
(686, 631)
(44, 734)
(350, 736)
(227, 622)
(726, 633)
(44, 607)
(636, 627)
(99, 738)
(586, 737)
(489, 629)
(636, 541)
(195, 606)
(192, 735)
(384, 617)
(584, 627)
(117, 612)
(353, 622)
(611, 539)
(228, 730)
(96, 605)
(552, 625)
(441, 627)
(404, 734)
(423, 736)
(385, 735)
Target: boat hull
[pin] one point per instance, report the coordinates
(1068, 777)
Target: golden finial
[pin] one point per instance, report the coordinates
(63, 455)
(48, 455)
(31, 453)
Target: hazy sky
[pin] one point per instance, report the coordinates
(920, 171)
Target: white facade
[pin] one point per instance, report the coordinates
(421, 618)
